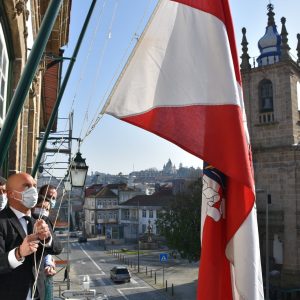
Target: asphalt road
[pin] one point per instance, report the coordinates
(87, 259)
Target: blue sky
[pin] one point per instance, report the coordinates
(115, 146)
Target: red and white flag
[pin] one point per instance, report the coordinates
(183, 83)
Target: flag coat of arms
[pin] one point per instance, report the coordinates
(182, 82)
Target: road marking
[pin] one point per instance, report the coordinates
(133, 281)
(96, 265)
(91, 275)
(135, 288)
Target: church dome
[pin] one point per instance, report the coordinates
(270, 41)
(269, 44)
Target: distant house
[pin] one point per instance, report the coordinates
(101, 212)
(140, 212)
(101, 209)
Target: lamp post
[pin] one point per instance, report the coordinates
(269, 199)
(78, 172)
(68, 188)
(138, 235)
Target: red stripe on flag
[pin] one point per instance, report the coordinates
(214, 271)
(214, 133)
(221, 10)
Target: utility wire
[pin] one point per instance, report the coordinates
(100, 61)
(103, 104)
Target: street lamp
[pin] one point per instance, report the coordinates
(68, 188)
(78, 169)
(78, 172)
(268, 201)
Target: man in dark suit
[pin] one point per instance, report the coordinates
(21, 250)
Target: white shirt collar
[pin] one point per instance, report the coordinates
(18, 213)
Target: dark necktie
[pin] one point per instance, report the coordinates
(29, 224)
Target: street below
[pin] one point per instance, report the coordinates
(91, 259)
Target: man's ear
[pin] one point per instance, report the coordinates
(10, 194)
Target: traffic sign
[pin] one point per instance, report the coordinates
(78, 294)
(163, 257)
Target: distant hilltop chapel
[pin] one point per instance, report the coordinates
(271, 88)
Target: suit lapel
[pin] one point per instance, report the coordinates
(16, 223)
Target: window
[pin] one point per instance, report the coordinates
(265, 96)
(92, 216)
(133, 228)
(143, 228)
(144, 213)
(126, 214)
(150, 213)
(3, 75)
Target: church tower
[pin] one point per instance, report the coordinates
(271, 89)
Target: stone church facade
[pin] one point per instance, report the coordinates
(272, 94)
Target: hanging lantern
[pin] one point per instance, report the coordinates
(78, 170)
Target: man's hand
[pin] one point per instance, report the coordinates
(41, 229)
(29, 245)
(49, 271)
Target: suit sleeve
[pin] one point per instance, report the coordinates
(56, 246)
(4, 262)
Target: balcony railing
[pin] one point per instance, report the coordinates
(265, 118)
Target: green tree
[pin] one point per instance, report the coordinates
(180, 223)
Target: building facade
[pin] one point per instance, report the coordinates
(138, 215)
(19, 25)
(272, 95)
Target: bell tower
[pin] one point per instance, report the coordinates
(271, 87)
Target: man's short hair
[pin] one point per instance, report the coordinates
(45, 188)
(2, 181)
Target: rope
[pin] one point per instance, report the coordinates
(99, 67)
(91, 45)
(103, 104)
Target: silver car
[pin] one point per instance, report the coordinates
(120, 273)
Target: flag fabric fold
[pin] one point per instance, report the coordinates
(183, 84)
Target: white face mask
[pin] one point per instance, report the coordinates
(41, 212)
(52, 202)
(29, 197)
(3, 201)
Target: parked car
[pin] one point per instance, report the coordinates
(82, 239)
(73, 234)
(120, 273)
